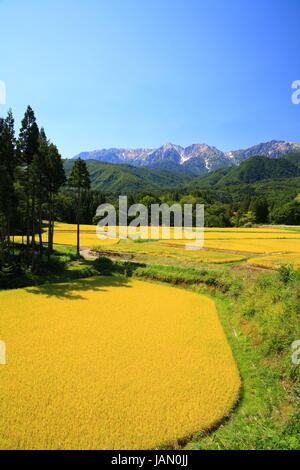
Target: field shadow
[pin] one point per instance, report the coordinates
(73, 290)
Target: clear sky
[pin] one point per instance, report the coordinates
(140, 73)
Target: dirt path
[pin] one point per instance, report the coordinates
(87, 253)
(90, 255)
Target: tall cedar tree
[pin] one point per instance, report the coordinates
(80, 180)
(54, 178)
(7, 177)
(28, 146)
(38, 180)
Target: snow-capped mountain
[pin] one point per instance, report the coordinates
(195, 159)
(273, 149)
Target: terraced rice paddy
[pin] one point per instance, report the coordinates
(144, 250)
(254, 234)
(69, 237)
(111, 364)
(221, 245)
(86, 239)
(256, 245)
(244, 245)
(275, 261)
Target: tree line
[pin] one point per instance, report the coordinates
(31, 177)
(222, 209)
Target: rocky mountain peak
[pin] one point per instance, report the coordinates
(195, 158)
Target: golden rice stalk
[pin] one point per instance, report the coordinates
(111, 364)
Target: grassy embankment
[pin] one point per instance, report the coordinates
(260, 314)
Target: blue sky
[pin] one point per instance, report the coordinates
(133, 73)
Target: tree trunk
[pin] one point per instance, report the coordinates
(49, 227)
(1, 240)
(52, 230)
(33, 224)
(27, 194)
(27, 223)
(33, 231)
(78, 239)
(8, 238)
(40, 228)
(78, 223)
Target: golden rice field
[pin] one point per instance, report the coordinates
(235, 241)
(144, 232)
(275, 261)
(61, 226)
(257, 235)
(210, 233)
(111, 364)
(255, 245)
(70, 238)
(159, 251)
(246, 240)
(250, 229)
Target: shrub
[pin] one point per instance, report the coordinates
(248, 311)
(236, 288)
(127, 267)
(104, 265)
(286, 273)
(12, 276)
(6, 275)
(55, 264)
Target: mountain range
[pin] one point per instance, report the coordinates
(196, 159)
(281, 174)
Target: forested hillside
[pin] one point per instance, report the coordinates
(108, 177)
(254, 169)
(259, 190)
